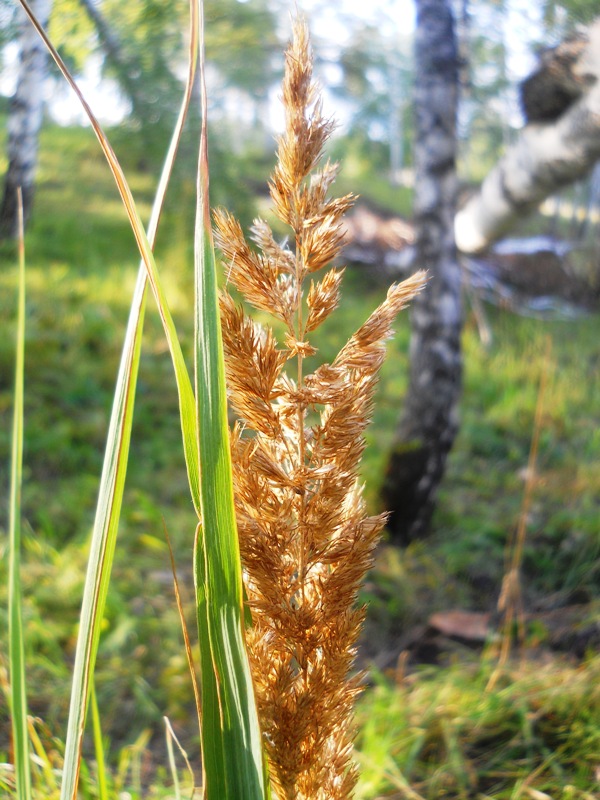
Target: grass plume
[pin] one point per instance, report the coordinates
(305, 538)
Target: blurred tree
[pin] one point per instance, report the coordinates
(242, 43)
(561, 145)
(156, 96)
(487, 93)
(375, 78)
(25, 119)
(143, 47)
(72, 33)
(8, 23)
(429, 422)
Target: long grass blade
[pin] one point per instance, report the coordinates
(18, 696)
(114, 469)
(184, 386)
(103, 539)
(171, 737)
(231, 739)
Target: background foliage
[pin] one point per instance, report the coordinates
(82, 265)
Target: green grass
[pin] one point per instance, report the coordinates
(444, 735)
(82, 264)
(481, 498)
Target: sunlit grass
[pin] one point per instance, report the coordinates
(73, 351)
(442, 734)
(78, 303)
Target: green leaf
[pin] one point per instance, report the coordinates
(18, 687)
(187, 401)
(104, 538)
(117, 449)
(231, 739)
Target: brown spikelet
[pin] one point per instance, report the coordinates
(323, 298)
(256, 276)
(305, 539)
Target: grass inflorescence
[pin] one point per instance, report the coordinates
(306, 531)
(305, 537)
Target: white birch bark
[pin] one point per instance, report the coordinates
(25, 118)
(546, 157)
(430, 418)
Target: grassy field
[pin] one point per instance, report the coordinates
(425, 731)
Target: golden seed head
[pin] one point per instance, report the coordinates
(305, 538)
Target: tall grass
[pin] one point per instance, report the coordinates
(226, 685)
(510, 602)
(440, 733)
(115, 463)
(231, 739)
(306, 541)
(305, 537)
(18, 697)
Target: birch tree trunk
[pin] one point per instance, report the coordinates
(112, 47)
(25, 119)
(429, 422)
(547, 155)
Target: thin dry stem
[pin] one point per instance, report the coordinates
(305, 538)
(510, 601)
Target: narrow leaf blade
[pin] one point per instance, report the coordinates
(98, 746)
(231, 739)
(115, 462)
(15, 621)
(184, 386)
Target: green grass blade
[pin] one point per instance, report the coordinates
(114, 472)
(18, 688)
(44, 761)
(98, 746)
(187, 403)
(103, 539)
(231, 740)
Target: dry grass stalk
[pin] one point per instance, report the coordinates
(305, 538)
(510, 602)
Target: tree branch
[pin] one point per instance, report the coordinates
(546, 157)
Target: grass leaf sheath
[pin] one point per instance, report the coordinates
(305, 538)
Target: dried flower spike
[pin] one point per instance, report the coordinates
(305, 539)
